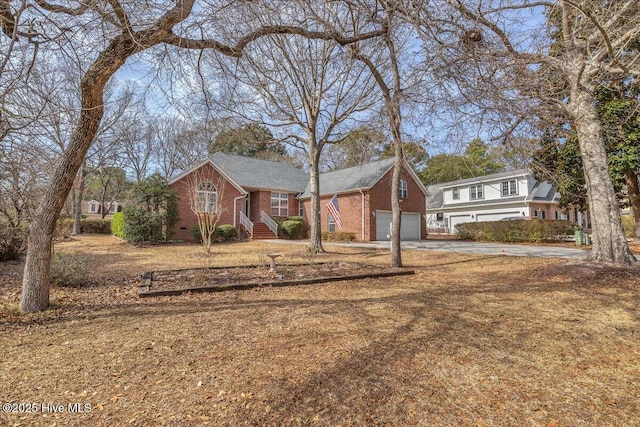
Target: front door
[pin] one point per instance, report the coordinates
(246, 206)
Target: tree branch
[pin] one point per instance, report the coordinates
(236, 50)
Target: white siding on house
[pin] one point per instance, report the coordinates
(451, 218)
(499, 200)
(454, 220)
(492, 190)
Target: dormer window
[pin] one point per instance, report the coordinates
(509, 188)
(475, 192)
(456, 194)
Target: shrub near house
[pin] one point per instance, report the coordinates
(534, 231)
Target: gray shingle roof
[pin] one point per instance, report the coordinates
(249, 173)
(351, 179)
(543, 191)
(435, 200)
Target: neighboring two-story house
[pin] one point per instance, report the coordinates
(253, 194)
(501, 196)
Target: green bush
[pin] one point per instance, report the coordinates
(529, 231)
(338, 236)
(296, 218)
(141, 225)
(70, 269)
(64, 228)
(195, 233)
(154, 194)
(628, 224)
(13, 243)
(117, 225)
(225, 232)
(95, 226)
(292, 228)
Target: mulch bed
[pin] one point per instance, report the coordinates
(216, 279)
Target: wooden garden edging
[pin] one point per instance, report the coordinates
(146, 284)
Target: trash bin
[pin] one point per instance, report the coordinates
(579, 235)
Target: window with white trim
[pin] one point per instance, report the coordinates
(112, 208)
(509, 188)
(456, 193)
(279, 204)
(475, 192)
(93, 208)
(206, 198)
(403, 189)
(331, 224)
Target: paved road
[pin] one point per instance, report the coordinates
(473, 248)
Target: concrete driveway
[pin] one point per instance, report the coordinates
(472, 248)
(487, 248)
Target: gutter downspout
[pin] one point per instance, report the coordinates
(362, 213)
(235, 205)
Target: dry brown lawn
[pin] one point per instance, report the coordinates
(467, 340)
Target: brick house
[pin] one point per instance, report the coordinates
(364, 198)
(253, 193)
(250, 192)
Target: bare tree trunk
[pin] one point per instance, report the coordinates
(633, 191)
(315, 237)
(35, 281)
(609, 242)
(396, 212)
(103, 198)
(77, 207)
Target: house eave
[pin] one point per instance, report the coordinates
(459, 206)
(491, 178)
(349, 191)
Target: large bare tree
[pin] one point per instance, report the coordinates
(540, 60)
(120, 30)
(389, 60)
(309, 92)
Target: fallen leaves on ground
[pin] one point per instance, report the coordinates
(468, 340)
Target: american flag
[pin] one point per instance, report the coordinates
(334, 210)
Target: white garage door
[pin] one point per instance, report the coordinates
(454, 220)
(409, 226)
(498, 216)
